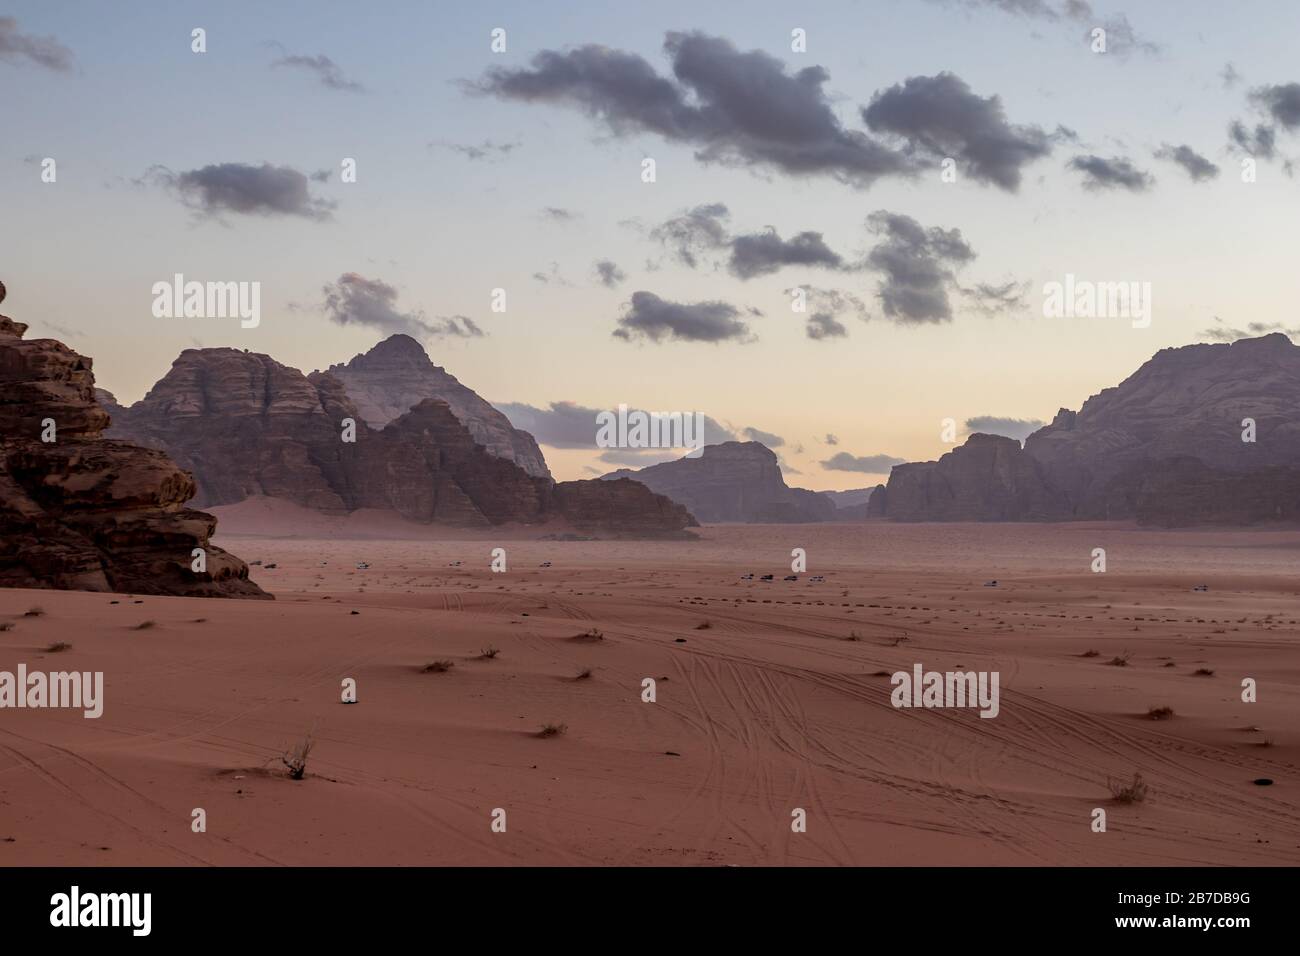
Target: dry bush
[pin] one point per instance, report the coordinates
(1203, 672)
(1119, 661)
(145, 626)
(1134, 792)
(34, 612)
(583, 674)
(1160, 713)
(488, 653)
(296, 760)
(553, 730)
(58, 646)
(437, 667)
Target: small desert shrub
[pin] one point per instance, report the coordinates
(1203, 672)
(58, 646)
(6, 625)
(1134, 792)
(145, 626)
(588, 636)
(584, 674)
(1160, 713)
(34, 612)
(553, 730)
(296, 760)
(1119, 661)
(703, 627)
(488, 653)
(437, 667)
(1090, 653)
(853, 636)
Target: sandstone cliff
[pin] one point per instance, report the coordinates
(247, 425)
(396, 375)
(82, 512)
(732, 481)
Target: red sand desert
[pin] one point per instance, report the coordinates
(770, 696)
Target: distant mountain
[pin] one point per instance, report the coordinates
(247, 425)
(732, 482)
(397, 374)
(850, 505)
(1165, 446)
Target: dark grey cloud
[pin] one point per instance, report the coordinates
(323, 68)
(1113, 173)
(487, 150)
(823, 325)
(1222, 332)
(1196, 165)
(1017, 428)
(834, 302)
(698, 230)
(736, 108)
(1121, 38)
(570, 425)
(939, 117)
(650, 317)
(1260, 142)
(763, 253)
(767, 438)
(608, 272)
(1280, 102)
(917, 266)
(356, 300)
(264, 190)
(19, 47)
(866, 464)
(831, 439)
(1229, 76)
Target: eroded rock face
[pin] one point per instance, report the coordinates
(397, 374)
(82, 512)
(732, 481)
(1162, 447)
(247, 425)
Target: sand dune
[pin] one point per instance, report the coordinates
(769, 708)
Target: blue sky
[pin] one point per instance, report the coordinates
(443, 230)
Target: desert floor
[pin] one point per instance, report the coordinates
(771, 696)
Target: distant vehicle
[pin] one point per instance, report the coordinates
(747, 577)
(361, 565)
(768, 577)
(791, 577)
(1201, 587)
(545, 564)
(817, 578)
(990, 584)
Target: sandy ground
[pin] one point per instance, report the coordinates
(771, 696)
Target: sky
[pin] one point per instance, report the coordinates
(921, 169)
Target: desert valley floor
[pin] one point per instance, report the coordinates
(771, 696)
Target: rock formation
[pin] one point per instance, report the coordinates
(396, 375)
(81, 512)
(247, 425)
(1165, 447)
(732, 481)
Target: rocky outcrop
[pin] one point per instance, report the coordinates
(247, 425)
(989, 478)
(732, 482)
(396, 375)
(81, 512)
(1164, 447)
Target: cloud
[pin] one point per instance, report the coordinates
(762, 253)
(823, 325)
(325, 70)
(866, 464)
(1229, 76)
(767, 438)
(917, 266)
(609, 274)
(1196, 165)
(264, 190)
(486, 150)
(556, 214)
(990, 299)
(16, 47)
(570, 425)
(831, 439)
(552, 275)
(1222, 332)
(356, 300)
(939, 117)
(737, 108)
(833, 302)
(1280, 102)
(1113, 173)
(696, 231)
(1261, 142)
(650, 317)
(1121, 38)
(1017, 428)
